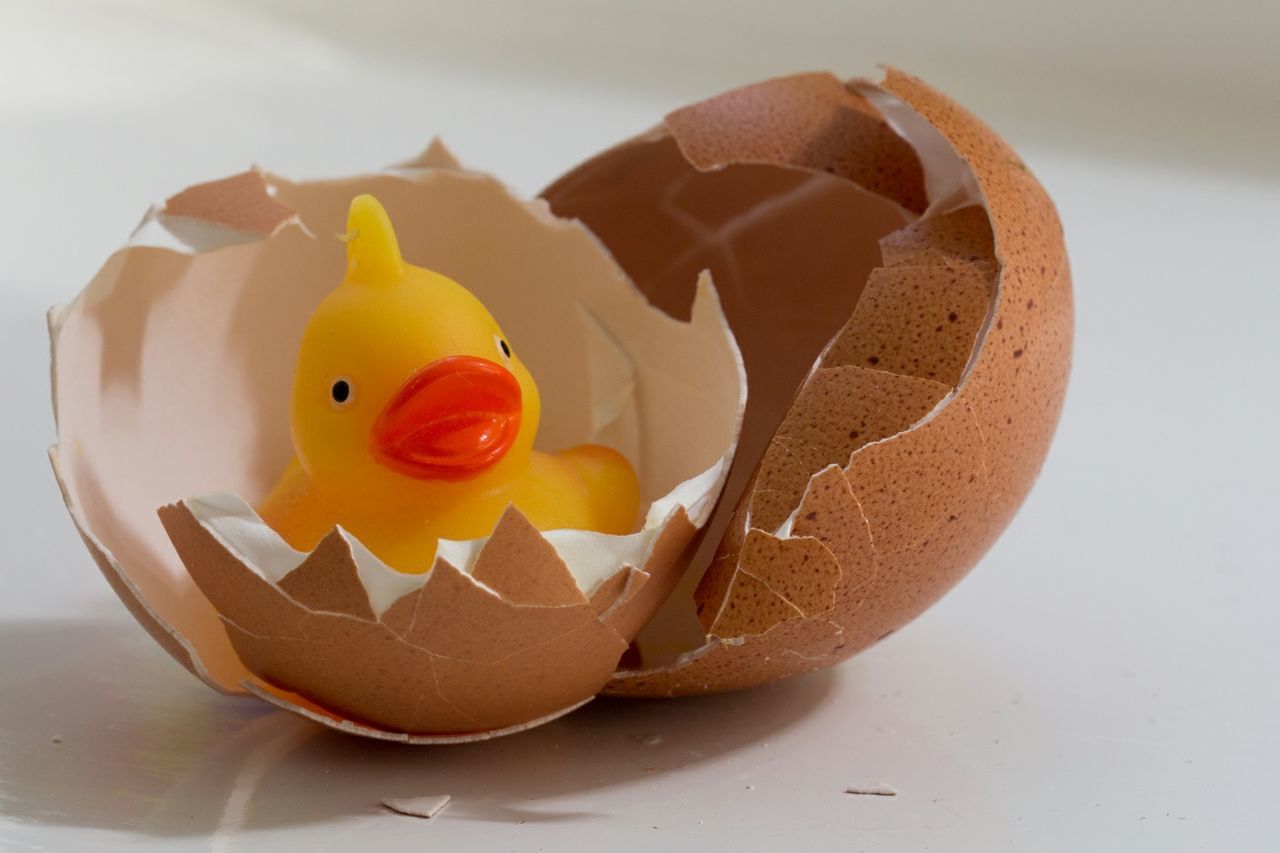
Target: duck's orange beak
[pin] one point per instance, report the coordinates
(453, 420)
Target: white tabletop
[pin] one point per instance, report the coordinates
(1105, 680)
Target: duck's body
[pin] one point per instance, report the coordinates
(588, 488)
(413, 420)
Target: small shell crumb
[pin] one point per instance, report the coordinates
(881, 790)
(423, 807)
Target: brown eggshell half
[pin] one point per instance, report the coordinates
(897, 281)
(172, 374)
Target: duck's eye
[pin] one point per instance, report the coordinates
(340, 393)
(504, 346)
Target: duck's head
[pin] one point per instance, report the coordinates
(405, 381)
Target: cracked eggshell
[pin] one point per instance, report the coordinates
(897, 281)
(172, 372)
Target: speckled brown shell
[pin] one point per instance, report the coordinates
(922, 403)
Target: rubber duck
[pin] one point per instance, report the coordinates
(413, 419)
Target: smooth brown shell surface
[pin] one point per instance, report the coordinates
(940, 372)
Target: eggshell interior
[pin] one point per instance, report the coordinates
(897, 424)
(898, 284)
(172, 374)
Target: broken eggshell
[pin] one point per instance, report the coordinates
(172, 375)
(897, 281)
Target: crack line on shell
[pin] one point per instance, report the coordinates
(774, 590)
(519, 652)
(871, 547)
(941, 523)
(632, 574)
(804, 444)
(422, 694)
(782, 443)
(434, 654)
(777, 441)
(435, 679)
(871, 542)
(285, 637)
(423, 683)
(985, 454)
(435, 685)
(979, 339)
(728, 590)
(925, 418)
(413, 618)
(622, 640)
(799, 613)
(828, 657)
(819, 659)
(875, 558)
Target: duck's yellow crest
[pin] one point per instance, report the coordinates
(373, 253)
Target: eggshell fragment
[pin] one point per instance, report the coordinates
(960, 236)
(450, 656)
(838, 411)
(423, 807)
(916, 321)
(814, 122)
(172, 376)
(900, 439)
(831, 514)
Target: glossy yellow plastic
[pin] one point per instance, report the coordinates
(414, 419)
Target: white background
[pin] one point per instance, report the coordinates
(1105, 680)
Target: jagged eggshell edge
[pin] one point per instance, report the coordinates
(513, 577)
(924, 421)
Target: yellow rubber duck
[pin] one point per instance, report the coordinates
(414, 419)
